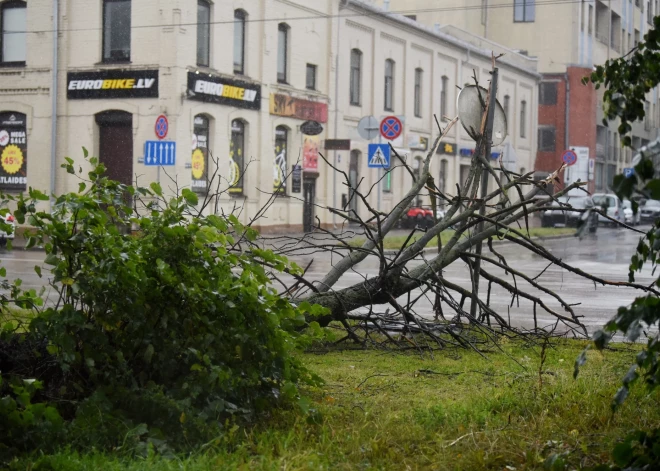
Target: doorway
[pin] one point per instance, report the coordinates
(353, 180)
(309, 194)
(116, 144)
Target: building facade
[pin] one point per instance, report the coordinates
(235, 81)
(568, 39)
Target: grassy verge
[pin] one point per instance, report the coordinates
(394, 242)
(454, 411)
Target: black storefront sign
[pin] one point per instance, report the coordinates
(446, 148)
(296, 179)
(224, 91)
(112, 84)
(337, 144)
(13, 151)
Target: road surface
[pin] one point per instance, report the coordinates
(605, 254)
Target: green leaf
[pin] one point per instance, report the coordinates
(156, 188)
(85, 152)
(37, 270)
(81, 187)
(31, 242)
(190, 196)
(52, 259)
(3, 271)
(148, 353)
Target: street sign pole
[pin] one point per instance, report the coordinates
(488, 136)
(380, 173)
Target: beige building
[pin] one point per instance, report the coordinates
(568, 39)
(192, 89)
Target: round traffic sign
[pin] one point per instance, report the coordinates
(368, 128)
(391, 127)
(569, 157)
(161, 127)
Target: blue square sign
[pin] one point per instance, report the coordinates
(379, 156)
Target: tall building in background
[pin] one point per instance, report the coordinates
(568, 39)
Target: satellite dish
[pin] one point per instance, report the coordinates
(368, 128)
(470, 112)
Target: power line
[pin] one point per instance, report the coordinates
(311, 17)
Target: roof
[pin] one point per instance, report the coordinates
(455, 37)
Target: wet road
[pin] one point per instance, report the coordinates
(605, 255)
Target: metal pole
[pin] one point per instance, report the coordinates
(334, 173)
(380, 175)
(53, 97)
(488, 138)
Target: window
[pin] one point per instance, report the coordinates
(389, 85)
(443, 96)
(200, 154)
(547, 138)
(203, 32)
(310, 80)
(523, 118)
(505, 105)
(590, 20)
(282, 52)
(584, 15)
(356, 76)
(279, 166)
(14, 25)
(116, 30)
(524, 10)
(442, 183)
(237, 155)
(418, 92)
(548, 93)
(239, 41)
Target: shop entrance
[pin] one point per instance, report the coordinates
(116, 144)
(309, 194)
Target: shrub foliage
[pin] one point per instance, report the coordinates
(161, 324)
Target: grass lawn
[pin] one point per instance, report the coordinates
(394, 242)
(455, 411)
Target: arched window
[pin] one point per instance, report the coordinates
(116, 30)
(280, 164)
(237, 154)
(282, 52)
(444, 81)
(523, 118)
(203, 33)
(200, 153)
(239, 41)
(356, 77)
(389, 85)
(13, 19)
(505, 105)
(419, 74)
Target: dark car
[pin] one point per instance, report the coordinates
(560, 214)
(650, 210)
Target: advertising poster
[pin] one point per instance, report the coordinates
(13, 151)
(311, 153)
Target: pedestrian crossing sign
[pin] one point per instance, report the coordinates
(379, 156)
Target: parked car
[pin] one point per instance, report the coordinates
(650, 210)
(629, 216)
(612, 205)
(7, 233)
(561, 215)
(417, 217)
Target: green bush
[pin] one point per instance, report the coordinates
(166, 325)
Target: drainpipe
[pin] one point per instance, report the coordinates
(53, 95)
(334, 152)
(567, 112)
